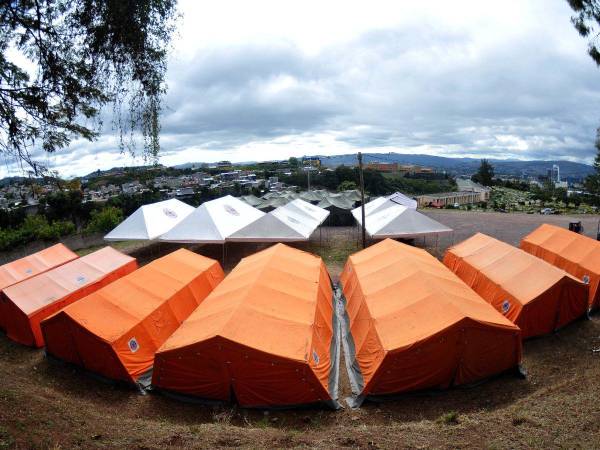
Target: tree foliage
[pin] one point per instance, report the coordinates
(587, 22)
(485, 173)
(61, 61)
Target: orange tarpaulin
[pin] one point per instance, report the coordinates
(29, 266)
(533, 294)
(263, 336)
(116, 330)
(415, 325)
(574, 253)
(27, 303)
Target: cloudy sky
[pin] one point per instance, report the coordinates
(272, 79)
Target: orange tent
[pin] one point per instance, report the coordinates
(574, 253)
(29, 266)
(264, 336)
(414, 325)
(533, 294)
(116, 330)
(27, 303)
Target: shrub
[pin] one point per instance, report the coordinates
(34, 228)
(104, 220)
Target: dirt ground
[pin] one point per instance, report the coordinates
(47, 405)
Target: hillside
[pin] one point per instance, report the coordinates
(467, 165)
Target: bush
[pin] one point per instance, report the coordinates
(104, 220)
(34, 228)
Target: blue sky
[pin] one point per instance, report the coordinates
(272, 79)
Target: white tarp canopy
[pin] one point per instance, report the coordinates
(252, 200)
(373, 206)
(270, 228)
(148, 222)
(310, 196)
(399, 221)
(401, 199)
(381, 203)
(213, 221)
(318, 215)
(339, 202)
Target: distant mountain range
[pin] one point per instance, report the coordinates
(454, 166)
(467, 166)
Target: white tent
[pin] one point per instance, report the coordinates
(213, 221)
(270, 228)
(318, 215)
(381, 203)
(401, 199)
(399, 221)
(148, 222)
(336, 202)
(252, 200)
(373, 206)
(310, 196)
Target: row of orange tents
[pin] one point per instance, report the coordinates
(270, 332)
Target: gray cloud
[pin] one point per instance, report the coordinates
(418, 88)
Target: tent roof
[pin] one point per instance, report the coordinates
(145, 306)
(352, 195)
(510, 279)
(397, 280)
(213, 221)
(275, 291)
(517, 272)
(270, 323)
(268, 228)
(317, 214)
(401, 199)
(335, 202)
(116, 308)
(34, 264)
(252, 200)
(400, 221)
(148, 222)
(273, 202)
(572, 252)
(310, 196)
(38, 292)
(409, 318)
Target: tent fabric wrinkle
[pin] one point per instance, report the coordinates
(574, 253)
(26, 304)
(263, 336)
(150, 221)
(413, 324)
(115, 331)
(530, 292)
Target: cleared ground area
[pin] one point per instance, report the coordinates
(45, 405)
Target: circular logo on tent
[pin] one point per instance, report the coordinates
(291, 219)
(81, 279)
(28, 271)
(231, 210)
(315, 357)
(133, 345)
(586, 279)
(170, 213)
(505, 306)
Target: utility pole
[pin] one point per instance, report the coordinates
(362, 200)
(308, 171)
